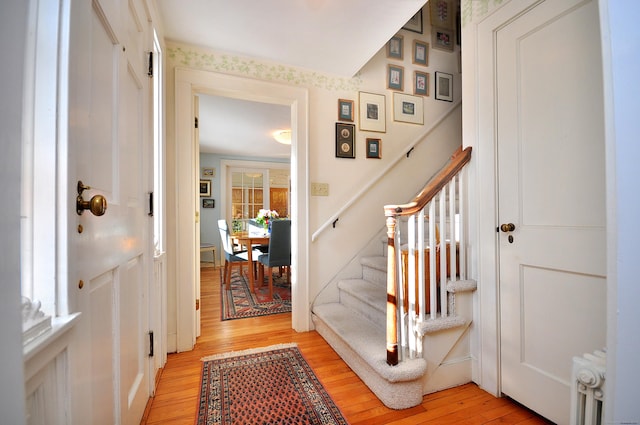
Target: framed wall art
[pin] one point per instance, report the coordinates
(345, 110)
(420, 83)
(208, 172)
(408, 108)
(205, 188)
(420, 53)
(372, 112)
(442, 38)
(373, 148)
(444, 86)
(395, 77)
(208, 203)
(395, 48)
(415, 23)
(345, 140)
(442, 13)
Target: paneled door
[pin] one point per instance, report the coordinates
(551, 200)
(110, 264)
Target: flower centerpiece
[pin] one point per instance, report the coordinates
(265, 217)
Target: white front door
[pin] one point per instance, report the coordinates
(110, 255)
(552, 189)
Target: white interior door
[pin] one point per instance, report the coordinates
(110, 150)
(552, 188)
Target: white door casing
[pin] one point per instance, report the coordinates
(188, 83)
(111, 255)
(551, 186)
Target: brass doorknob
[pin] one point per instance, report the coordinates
(507, 227)
(97, 204)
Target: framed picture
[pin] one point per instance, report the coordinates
(420, 83)
(372, 112)
(415, 23)
(205, 187)
(208, 203)
(442, 13)
(345, 110)
(345, 138)
(408, 108)
(395, 48)
(442, 38)
(373, 148)
(420, 53)
(208, 172)
(395, 77)
(444, 86)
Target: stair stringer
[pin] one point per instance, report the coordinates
(448, 352)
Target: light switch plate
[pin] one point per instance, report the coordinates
(319, 189)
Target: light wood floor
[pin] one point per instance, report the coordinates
(177, 393)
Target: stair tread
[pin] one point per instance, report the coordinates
(368, 341)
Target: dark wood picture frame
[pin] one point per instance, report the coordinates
(205, 188)
(373, 148)
(444, 86)
(415, 23)
(345, 140)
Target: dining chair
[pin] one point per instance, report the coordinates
(279, 254)
(231, 257)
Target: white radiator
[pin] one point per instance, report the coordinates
(587, 392)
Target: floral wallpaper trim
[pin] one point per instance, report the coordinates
(231, 64)
(472, 10)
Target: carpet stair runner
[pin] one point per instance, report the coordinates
(355, 327)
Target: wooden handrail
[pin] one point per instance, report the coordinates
(458, 160)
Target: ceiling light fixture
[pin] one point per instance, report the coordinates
(282, 136)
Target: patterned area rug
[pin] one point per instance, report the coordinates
(271, 385)
(240, 303)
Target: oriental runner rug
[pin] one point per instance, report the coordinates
(271, 385)
(240, 303)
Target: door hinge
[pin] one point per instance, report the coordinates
(150, 213)
(196, 122)
(197, 305)
(150, 70)
(150, 343)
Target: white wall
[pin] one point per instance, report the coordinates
(345, 176)
(13, 31)
(621, 59)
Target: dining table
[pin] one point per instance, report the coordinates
(249, 241)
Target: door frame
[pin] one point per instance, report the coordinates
(188, 83)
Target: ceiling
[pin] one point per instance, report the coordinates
(335, 37)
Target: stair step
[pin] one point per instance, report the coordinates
(368, 341)
(365, 298)
(374, 269)
(440, 324)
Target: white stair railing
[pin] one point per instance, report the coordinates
(426, 238)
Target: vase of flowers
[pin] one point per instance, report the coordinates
(265, 217)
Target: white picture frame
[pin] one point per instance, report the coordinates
(408, 108)
(372, 112)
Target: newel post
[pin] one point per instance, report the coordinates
(392, 299)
